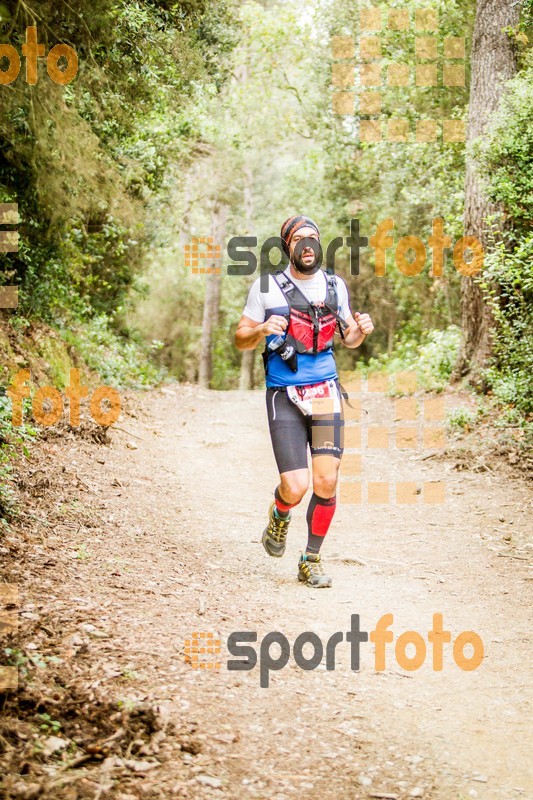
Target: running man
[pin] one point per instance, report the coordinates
(298, 316)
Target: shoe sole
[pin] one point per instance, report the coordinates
(264, 543)
(315, 585)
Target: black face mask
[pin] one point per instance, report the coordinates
(301, 266)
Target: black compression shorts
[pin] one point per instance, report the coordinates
(291, 432)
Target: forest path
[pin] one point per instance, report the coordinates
(182, 500)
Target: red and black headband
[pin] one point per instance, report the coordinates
(291, 225)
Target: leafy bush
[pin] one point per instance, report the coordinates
(511, 298)
(83, 162)
(506, 153)
(11, 438)
(461, 418)
(120, 361)
(506, 158)
(433, 360)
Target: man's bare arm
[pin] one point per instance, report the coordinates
(250, 333)
(359, 326)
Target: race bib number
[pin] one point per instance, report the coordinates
(316, 399)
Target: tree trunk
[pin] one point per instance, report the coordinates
(184, 235)
(493, 63)
(246, 376)
(212, 298)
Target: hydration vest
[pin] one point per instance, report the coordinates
(311, 325)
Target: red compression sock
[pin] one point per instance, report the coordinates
(282, 507)
(319, 516)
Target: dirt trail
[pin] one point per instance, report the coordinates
(181, 502)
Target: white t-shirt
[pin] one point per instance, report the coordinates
(261, 305)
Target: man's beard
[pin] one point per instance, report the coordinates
(301, 266)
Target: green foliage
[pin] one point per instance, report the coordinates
(506, 153)
(7, 495)
(508, 285)
(226, 364)
(152, 134)
(84, 160)
(410, 182)
(526, 17)
(12, 440)
(432, 359)
(25, 664)
(47, 724)
(506, 158)
(169, 313)
(119, 360)
(461, 419)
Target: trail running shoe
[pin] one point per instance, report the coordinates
(274, 536)
(311, 571)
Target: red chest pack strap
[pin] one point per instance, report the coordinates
(296, 299)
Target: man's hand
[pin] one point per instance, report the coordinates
(274, 324)
(250, 333)
(359, 326)
(364, 322)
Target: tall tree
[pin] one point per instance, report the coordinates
(246, 377)
(212, 298)
(493, 60)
